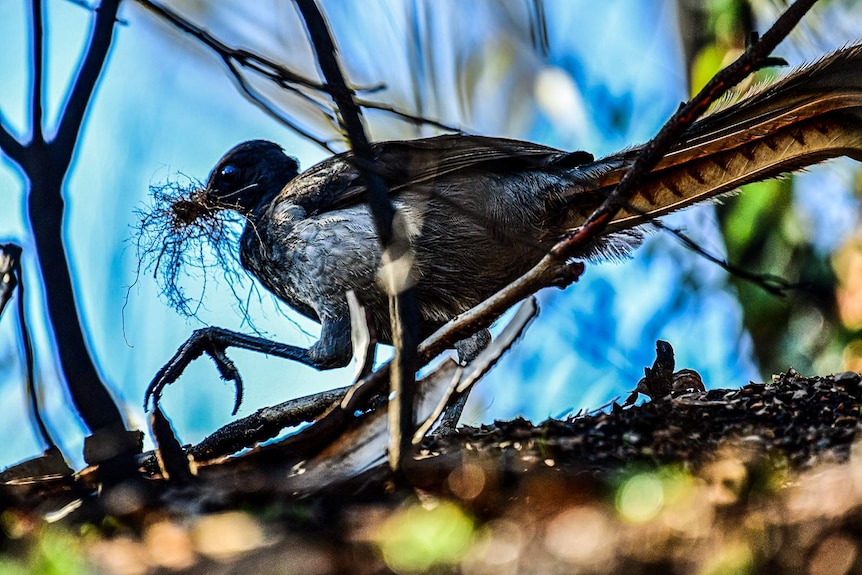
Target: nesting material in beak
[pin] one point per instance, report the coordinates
(184, 233)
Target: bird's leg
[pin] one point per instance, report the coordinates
(467, 350)
(334, 348)
(213, 341)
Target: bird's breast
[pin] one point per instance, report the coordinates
(311, 260)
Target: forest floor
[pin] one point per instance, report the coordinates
(762, 479)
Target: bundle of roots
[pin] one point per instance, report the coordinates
(182, 234)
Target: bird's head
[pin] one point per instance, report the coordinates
(249, 174)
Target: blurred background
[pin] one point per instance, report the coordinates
(572, 74)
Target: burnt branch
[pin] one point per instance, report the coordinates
(276, 72)
(264, 424)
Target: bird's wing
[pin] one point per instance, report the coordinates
(336, 182)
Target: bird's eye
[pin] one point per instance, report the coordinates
(228, 173)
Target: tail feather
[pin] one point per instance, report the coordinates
(812, 115)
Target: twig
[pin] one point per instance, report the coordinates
(276, 73)
(770, 283)
(412, 118)
(271, 110)
(29, 365)
(245, 58)
(10, 279)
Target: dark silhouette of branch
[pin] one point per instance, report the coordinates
(85, 81)
(770, 283)
(11, 278)
(278, 74)
(37, 49)
(257, 99)
(45, 165)
(9, 144)
(247, 59)
(403, 305)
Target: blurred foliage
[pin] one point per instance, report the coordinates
(419, 538)
(765, 232)
(43, 550)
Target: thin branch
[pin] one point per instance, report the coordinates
(29, 364)
(770, 283)
(248, 59)
(10, 144)
(412, 118)
(85, 82)
(276, 73)
(271, 110)
(37, 37)
(11, 279)
(273, 71)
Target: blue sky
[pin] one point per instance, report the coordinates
(166, 107)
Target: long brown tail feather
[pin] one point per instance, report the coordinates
(810, 116)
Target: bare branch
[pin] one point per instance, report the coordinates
(85, 82)
(37, 37)
(276, 73)
(9, 144)
(266, 67)
(412, 118)
(271, 110)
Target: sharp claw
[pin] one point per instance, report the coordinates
(228, 372)
(239, 393)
